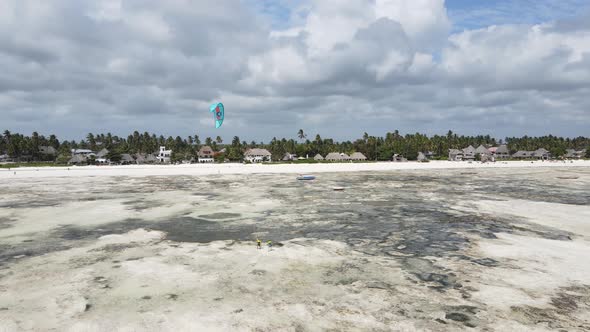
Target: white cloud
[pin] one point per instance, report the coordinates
(340, 69)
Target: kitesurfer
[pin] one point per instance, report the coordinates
(269, 244)
(258, 244)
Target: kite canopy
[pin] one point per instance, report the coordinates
(218, 113)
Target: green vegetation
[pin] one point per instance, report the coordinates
(22, 148)
(32, 164)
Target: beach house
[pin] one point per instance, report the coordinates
(523, 154)
(398, 158)
(206, 154)
(289, 157)
(318, 157)
(421, 157)
(455, 155)
(482, 150)
(127, 159)
(333, 156)
(469, 153)
(83, 152)
(501, 152)
(542, 154)
(257, 155)
(164, 155)
(575, 154)
(357, 156)
(78, 159)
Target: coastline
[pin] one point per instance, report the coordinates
(236, 168)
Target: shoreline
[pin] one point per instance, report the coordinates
(236, 168)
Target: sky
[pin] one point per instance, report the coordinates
(334, 67)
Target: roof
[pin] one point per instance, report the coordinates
(77, 159)
(333, 156)
(150, 157)
(523, 153)
(470, 149)
(102, 153)
(502, 149)
(139, 157)
(455, 151)
(205, 152)
(493, 149)
(482, 150)
(257, 152)
(47, 150)
(358, 156)
(318, 157)
(127, 157)
(540, 152)
(78, 151)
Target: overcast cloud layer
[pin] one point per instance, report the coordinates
(334, 67)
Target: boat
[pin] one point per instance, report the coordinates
(305, 177)
(338, 188)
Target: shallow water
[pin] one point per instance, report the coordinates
(414, 218)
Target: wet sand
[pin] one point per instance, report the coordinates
(497, 249)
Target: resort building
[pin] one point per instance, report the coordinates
(501, 152)
(455, 155)
(78, 159)
(164, 155)
(333, 156)
(318, 157)
(206, 154)
(482, 150)
(542, 154)
(421, 157)
(257, 155)
(573, 154)
(398, 158)
(522, 154)
(127, 159)
(82, 152)
(469, 153)
(102, 153)
(289, 157)
(357, 156)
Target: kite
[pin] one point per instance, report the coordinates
(219, 113)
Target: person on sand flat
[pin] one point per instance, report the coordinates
(269, 244)
(258, 244)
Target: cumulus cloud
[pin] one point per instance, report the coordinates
(339, 68)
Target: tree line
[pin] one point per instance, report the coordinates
(27, 148)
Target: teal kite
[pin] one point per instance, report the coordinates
(219, 113)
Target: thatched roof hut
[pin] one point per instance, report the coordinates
(357, 156)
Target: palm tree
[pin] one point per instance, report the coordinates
(301, 134)
(218, 140)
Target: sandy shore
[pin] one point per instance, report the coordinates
(234, 168)
(499, 247)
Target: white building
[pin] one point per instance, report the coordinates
(82, 152)
(257, 155)
(206, 154)
(164, 155)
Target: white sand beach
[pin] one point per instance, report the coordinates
(235, 168)
(439, 246)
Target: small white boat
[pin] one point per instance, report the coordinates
(305, 177)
